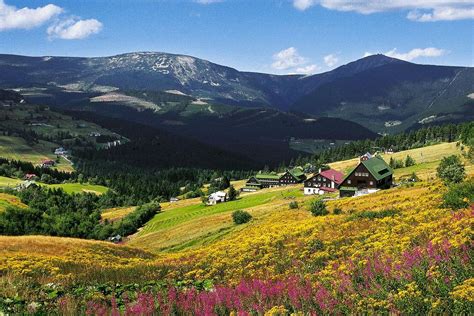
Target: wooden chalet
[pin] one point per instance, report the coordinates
(326, 181)
(370, 175)
(273, 179)
(293, 176)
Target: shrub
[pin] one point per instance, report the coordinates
(293, 205)
(459, 196)
(241, 217)
(233, 193)
(337, 211)
(373, 214)
(451, 170)
(318, 208)
(395, 163)
(409, 161)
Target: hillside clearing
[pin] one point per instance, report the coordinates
(116, 213)
(189, 223)
(421, 155)
(16, 148)
(7, 200)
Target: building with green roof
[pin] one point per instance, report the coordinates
(272, 179)
(370, 175)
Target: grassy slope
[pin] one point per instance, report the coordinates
(275, 235)
(16, 148)
(79, 188)
(189, 223)
(9, 200)
(427, 158)
(67, 187)
(116, 213)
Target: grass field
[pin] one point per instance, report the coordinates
(16, 148)
(67, 187)
(427, 158)
(188, 223)
(9, 182)
(116, 213)
(7, 200)
(79, 188)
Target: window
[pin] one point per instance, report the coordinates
(371, 183)
(348, 181)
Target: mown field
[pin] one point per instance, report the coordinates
(16, 148)
(79, 188)
(189, 223)
(70, 188)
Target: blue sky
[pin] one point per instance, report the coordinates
(286, 36)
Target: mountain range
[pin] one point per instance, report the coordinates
(382, 93)
(249, 113)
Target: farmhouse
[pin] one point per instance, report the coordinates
(47, 163)
(273, 179)
(30, 176)
(268, 180)
(26, 184)
(217, 197)
(295, 175)
(60, 151)
(370, 175)
(323, 182)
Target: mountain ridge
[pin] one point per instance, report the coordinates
(219, 84)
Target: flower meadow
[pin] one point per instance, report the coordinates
(393, 252)
(424, 279)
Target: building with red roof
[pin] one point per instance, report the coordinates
(323, 182)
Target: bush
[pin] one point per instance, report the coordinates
(373, 214)
(318, 208)
(409, 161)
(241, 217)
(395, 163)
(451, 170)
(293, 205)
(337, 211)
(233, 194)
(459, 196)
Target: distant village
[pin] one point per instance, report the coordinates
(370, 175)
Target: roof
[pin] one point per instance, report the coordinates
(378, 167)
(272, 176)
(333, 175)
(296, 172)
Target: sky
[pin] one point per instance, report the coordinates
(272, 36)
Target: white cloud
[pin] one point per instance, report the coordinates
(307, 70)
(441, 14)
(74, 29)
(416, 53)
(303, 4)
(420, 10)
(330, 60)
(292, 62)
(287, 58)
(26, 18)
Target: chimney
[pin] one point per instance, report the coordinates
(319, 171)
